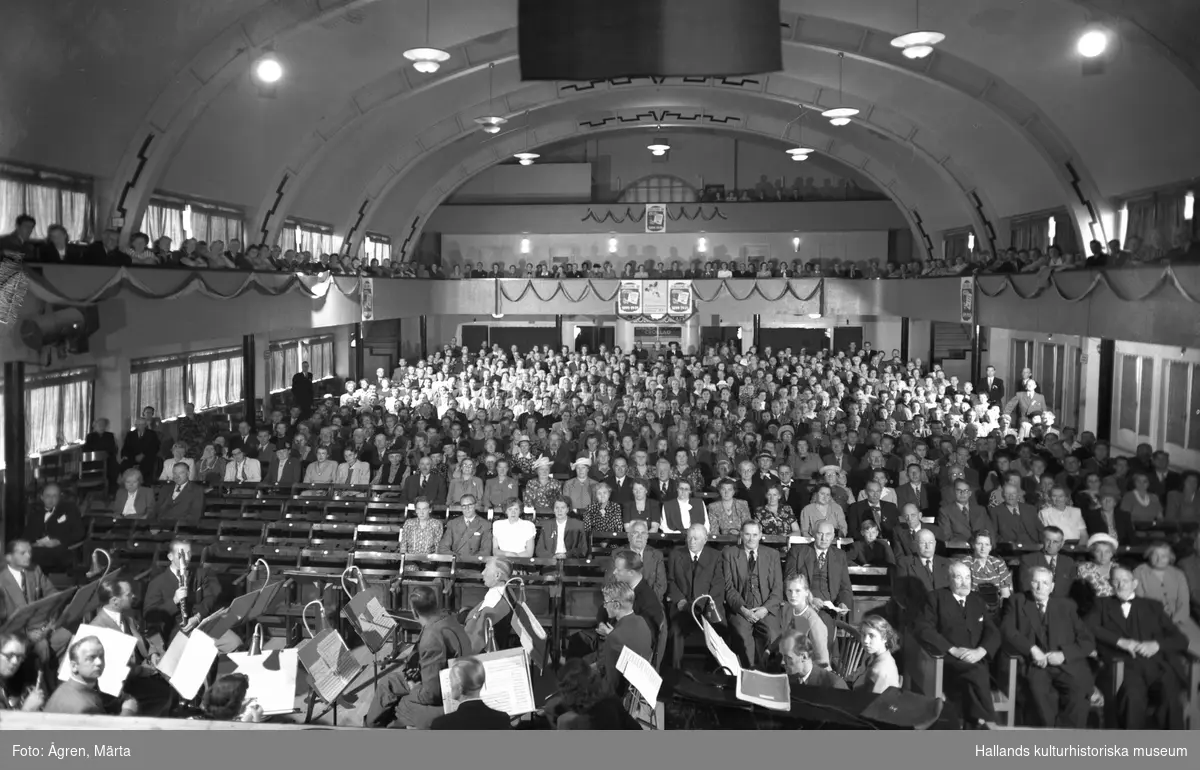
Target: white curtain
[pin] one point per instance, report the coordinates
(42, 203)
(163, 220)
(12, 204)
(173, 396)
(378, 249)
(287, 237)
(145, 389)
(41, 418)
(76, 411)
(75, 215)
(47, 204)
(234, 391)
(210, 226)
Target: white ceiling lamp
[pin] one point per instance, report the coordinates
(426, 60)
(799, 152)
(659, 147)
(612, 245)
(268, 70)
(1189, 206)
(702, 245)
(491, 123)
(1092, 43)
(526, 158)
(919, 44)
(840, 116)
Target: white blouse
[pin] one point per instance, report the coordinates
(510, 536)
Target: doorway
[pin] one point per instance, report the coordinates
(843, 336)
(716, 336)
(594, 336)
(810, 340)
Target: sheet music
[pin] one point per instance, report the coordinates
(370, 619)
(272, 678)
(118, 649)
(640, 674)
(187, 662)
(719, 649)
(772, 691)
(328, 660)
(507, 686)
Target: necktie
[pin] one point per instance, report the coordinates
(821, 560)
(1042, 608)
(1053, 561)
(1013, 510)
(929, 566)
(664, 487)
(26, 589)
(241, 471)
(178, 491)
(752, 562)
(963, 508)
(424, 479)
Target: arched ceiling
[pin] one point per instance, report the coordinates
(1001, 120)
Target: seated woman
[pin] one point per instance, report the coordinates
(1183, 504)
(585, 702)
(642, 507)
(1158, 579)
(322, 470)
(801, 615)
(21, 685)
(422, 533)
(726, 515)
(354, 472)
(133, 500)
(464, 482)
(178, 455)
(211, 467)
(603, 515)
(226, 701)
(821, 508)
(1109, 517)
(1095, 576)
(513, 536)
(988, 573)
(775, 516)
(1142, 504)
(541, 491)
(879, 641)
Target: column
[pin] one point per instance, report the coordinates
(976, 353)
(623, 338)
(249, 392)
(11, 522)
(689, 343)
(558, 332)
(757, 330)
(356, 344)
(424, 337)
(1104, 395)
(904, 340)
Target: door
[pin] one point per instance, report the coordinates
(844, 335)
(525, 337)
(716, 336)
(797, 338)
(474, 337)
(594, 336)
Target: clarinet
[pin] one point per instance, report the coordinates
(183, 574)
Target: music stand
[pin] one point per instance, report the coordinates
(39, 614)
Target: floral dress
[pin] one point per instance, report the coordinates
(541, 496)
(692, 475)
(606, 520)
(421, 537)
(778, 522)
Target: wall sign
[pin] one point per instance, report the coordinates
(656, 217)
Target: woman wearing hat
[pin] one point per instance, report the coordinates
(541, 491)
(1094, 575)
(1110, 518)
(523, 459)
(580, 490)
(835, 479)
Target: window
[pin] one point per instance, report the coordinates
(1135, 393)
(287, 356)
(1157, 219)
(659, 189)
(378, 247)
(211, 223)
(181, 218)
(1183, 405)
(308, 236)
(209, 379)
(955, 245)
(1031, 232)
(1022, 358)
(58, 409)
(164, 218)
(48, 197)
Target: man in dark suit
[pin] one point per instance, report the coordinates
(1054, 644)
(22, 583)
(621, 482)
(283, 469)
(424, 483)
(794, 493)
(1015, 521)
(796, 650)
(991, 386)
(183, 590)
(627, 629)
(140, 449)
(1062, 566)
(956, 625)
(181, 500)
(403, 702)
(1162, 478)
(682, 512)
(493, 615)
(1137, 631)
(838, 456)
(825, 566)
(143, 684)
(467, 536)
(302, 389)
(662, 488)
(692, 572)
(654, 567)
(961, 519)
(913, 490)
(562, 535)
(874, 507)
(916, 576)
(753, 594)
(467, 677)
(53, 527)
(905, 536)
(1026, 405)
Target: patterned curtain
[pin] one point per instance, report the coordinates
(145, 389)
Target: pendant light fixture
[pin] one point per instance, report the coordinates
(491, 123)
(659, 147)
(840, 116)
(919, 44)
(526, 158)
(426, 60)
(799, 152)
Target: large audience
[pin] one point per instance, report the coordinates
(968, 495)
(192, 254)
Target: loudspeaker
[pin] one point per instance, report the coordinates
(590, 40)
(70, 326)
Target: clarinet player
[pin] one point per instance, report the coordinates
(179, 597)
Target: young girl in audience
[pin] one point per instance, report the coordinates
(879, 641)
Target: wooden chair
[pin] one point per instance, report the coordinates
(287, 532)
(436, 569)
(848, 650)
(306, 508)
(329, 534)
(374, 537)
(93, 475)
(1004, 701)
(262, 510)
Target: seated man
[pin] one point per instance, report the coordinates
(796, 650)
(1063, 567)
(562, 536)
(753, 594)
(1015, 521)
(152, 692)
(905, 535)
(467, 677)
(1137, 631)
(827, 569)
(412, 696)
(492, 617)
(627, 630)
(956, 625)
(183, 591)
(469, 535)
(21, 584)
(1054, 643)
(692, 572)
(54, 526)
(181, 500)
(962, 518)
(81, 693)
(654, 567)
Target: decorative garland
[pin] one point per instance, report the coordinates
(560, 288)
(630, 216)
(1006, 282)
(725, 286)
(123, 281)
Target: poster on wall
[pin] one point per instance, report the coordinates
(679, 298)
(967, 303)
(654, 297)
(367, 298)
(629, 298)
(656, 217)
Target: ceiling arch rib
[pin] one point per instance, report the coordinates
(783, 97)
(442, 171)
(176, 109)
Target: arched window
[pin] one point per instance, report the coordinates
(659, 189)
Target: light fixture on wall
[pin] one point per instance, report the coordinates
(840, 115)
(970, 242)
(702, 245)
(526, 246)
(267, 69)
(1122, 223)
(1189, 206)
(1051, 230)
(1092, 43)
(919, 44)
(612, 245)
(426, 60)
(799, 152)
(660, 146)
(526, 158)
(491, 123)
(796, 245)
